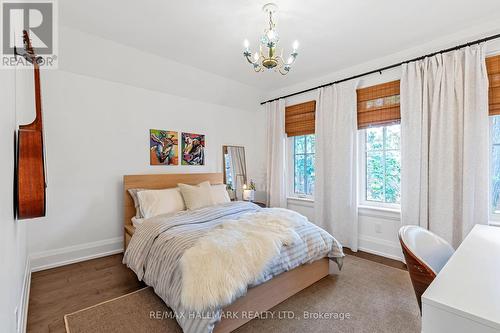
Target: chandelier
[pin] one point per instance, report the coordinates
(269, 58)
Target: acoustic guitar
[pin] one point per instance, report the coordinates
(30, 166)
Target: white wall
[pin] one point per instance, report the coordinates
(13, 255)
(89, 55)
(97, 119)
(378, 228)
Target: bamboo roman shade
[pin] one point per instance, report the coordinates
(378, 105)
(300, 118)
(493, 66)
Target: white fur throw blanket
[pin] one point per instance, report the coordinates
(222, 263)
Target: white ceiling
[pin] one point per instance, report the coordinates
(333, 34)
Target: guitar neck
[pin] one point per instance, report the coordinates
(38, 98)
(29, 54)
(36, 124)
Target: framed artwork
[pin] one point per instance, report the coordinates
(193, 149)
(164, 147)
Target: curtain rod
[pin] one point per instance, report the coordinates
(482, 40)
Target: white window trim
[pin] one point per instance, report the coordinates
(304, 202)
(494, 216)
(362, 202)
(494, 220)
(291, 174)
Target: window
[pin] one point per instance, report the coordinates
(380, 169)
(299, 127)
(303, 165)
(495, 164)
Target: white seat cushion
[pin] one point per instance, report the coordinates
(426, 246)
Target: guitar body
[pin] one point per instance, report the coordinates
(30, 173)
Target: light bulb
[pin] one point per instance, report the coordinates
(256, 56)
(295, 45)
(290, 60)
(246, 43)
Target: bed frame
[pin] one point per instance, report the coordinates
(260, 298)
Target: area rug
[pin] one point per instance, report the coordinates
(364, 297)
(134, 312)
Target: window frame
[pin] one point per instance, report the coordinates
(493, 214)
(362, 201)
(291, 194)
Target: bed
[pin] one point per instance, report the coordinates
(259, 297)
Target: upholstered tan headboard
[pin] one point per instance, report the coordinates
(159, 181)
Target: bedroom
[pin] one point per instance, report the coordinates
(169, 90)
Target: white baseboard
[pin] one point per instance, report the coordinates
(24, 302)
(72, 254)
(380, 247)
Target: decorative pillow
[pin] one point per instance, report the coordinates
(157, 202)
(133, 194)
(197, 196)
(219, 194)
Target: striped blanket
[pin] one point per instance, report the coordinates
(156, 249)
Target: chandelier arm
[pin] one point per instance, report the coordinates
(280, 61)
(283, 72)
(248, 59)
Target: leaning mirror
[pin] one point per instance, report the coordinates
(235, 170)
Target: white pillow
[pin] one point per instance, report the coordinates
(219, 194)
(137, 221)
(133, 194)
(157, 202)
(197, 196)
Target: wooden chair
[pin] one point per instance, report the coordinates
(425, 255)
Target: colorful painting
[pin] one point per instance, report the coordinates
(163, 147)
(193, 149)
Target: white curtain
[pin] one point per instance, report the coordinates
(276, 154)
(335, 201)
(444, 138)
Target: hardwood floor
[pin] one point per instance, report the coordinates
(376, 258)
(59, 291)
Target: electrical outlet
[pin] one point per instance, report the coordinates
(378, 228)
